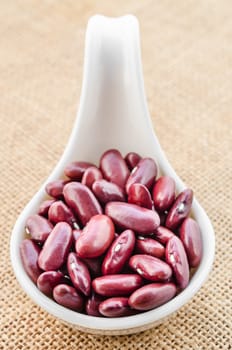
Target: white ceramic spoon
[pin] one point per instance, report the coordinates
(113, 113)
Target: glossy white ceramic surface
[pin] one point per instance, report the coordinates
(113, 113)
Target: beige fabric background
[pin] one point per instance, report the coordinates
(187, 60)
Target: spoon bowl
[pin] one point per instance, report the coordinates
(113, 113)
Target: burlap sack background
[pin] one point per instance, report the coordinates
(187, 59)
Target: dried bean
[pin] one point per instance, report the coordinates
(150, 268)
(163, 234)
(118, 253)
(55, 188)
(67, 296)
(146, 245)
(116, 285)
(94, 266)
(82, 201)
(132, 159)
(136, 203)
(56, 247)
(59, 211)
(138, 194)
(180, 209)
(44, 207)
(114, 167)
(90, 175)
(38, 227)
(151, 296)
(96, 237)
(163, 193)
(106, 191)
(48, 280)
(190, 236)
(115, 307)
(144, 173)
(177, 259)
(131, 216)
(79, 274)
(92, 305)
(29, 252)
(163, 217)
(76, 233)
(75, 170)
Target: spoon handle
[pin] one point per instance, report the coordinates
(113, 111)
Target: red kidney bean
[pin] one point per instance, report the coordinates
(119, 252)
(75, 170)
(190, 236)
(115, 307)
(59, 211)
(92, 305)
(177, 259)
(55, 188)
(150, 268)
(146, 245)
(29, 252)
(163, 193)
(94, 266)
(180, 209)
(96, 237)
(79, 274)
(151, 296)
(163, 234)
(82, 201)
(44, 207)
(138, 194)
(163, 217)
(64, 270)
(67, 296)
(144, 173)
(76, 233)
(114, 167)
(56, 247)
(116, 285)
(47, 281)
(67, 280)
(132, 159)
(135, 203)
(90, 175)
(133, 217)
(38, 227)
(106, 191)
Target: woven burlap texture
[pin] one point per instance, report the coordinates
(187, 60)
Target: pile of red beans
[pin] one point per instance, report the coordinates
(112, 240)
